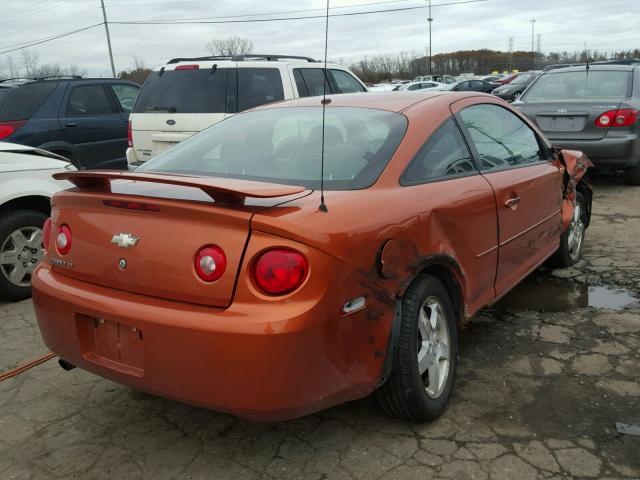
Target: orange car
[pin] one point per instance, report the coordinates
(211, 276)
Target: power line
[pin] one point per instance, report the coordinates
(49, 39)
(277, 19)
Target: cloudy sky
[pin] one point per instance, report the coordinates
(564, 25)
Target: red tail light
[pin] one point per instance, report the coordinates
(280, 271)
(9, 128)
(129, 135)
(617, 118)
(46, 234)
(210, 263)
(188, 67)
(63, 239)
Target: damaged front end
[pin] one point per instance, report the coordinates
(574, 165)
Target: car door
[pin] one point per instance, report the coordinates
(459, 209)
(526, 183)
(91, 121)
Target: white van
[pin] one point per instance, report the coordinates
(188, 95)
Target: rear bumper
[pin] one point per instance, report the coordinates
(268, 362)
(619, 150)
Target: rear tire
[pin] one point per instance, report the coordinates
(633, 174)
(425, 361)
(20, 251)
(572, 240)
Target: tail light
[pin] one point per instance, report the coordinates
(210, 263)
(129, 135)
(9, 128)
(617, 118)
(46, 234)
(280, 271)
(63, 239)
(188, 67)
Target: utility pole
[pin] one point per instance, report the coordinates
(430, 19)
(539, 40)
(106, 28)
(510, 54)
(533, 53)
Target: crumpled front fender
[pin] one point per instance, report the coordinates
(574, 165)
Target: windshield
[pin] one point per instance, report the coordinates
(580, 86)
(283, 145)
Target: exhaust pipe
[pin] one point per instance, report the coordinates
(66, 366)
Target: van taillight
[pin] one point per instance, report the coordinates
(129, 135)
(9, 128)
(617, 118)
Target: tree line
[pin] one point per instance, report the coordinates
(403, 65)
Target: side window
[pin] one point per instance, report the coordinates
(87, 100)
(302, 87)
(257, 86)
(500, 137)
(126, 95)
(477, 85)
(415, 86)
(463, 86)
(444, 155)
(346, 83)
(313, 79)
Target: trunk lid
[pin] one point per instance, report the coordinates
(569, 120)
(172, 223)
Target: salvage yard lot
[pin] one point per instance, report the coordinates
(538, 396)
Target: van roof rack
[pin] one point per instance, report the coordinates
(240, 58)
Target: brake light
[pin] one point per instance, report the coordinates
(280, 271)
(46, 234)
(188, 67)
(617, 118)
(63, 239)
(210, 263)
(9, 128)
(129, 135)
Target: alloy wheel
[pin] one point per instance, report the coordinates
(434, 351)
(20, 253)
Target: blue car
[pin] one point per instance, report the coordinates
(84, 120)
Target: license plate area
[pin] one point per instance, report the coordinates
(112, 344)
(563, 123)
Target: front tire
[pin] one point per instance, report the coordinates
(425, 361)
(572, 240)
(20, 251)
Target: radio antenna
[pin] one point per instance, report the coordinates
(323, 206)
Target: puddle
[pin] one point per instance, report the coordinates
(552, 296)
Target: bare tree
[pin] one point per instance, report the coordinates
(230, 46)
(30, 60)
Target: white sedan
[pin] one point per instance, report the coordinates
(413, 86)
(26, 188)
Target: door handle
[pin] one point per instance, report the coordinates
(513, 202)
(71, 124)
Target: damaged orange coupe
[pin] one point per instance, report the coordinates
(215, 275)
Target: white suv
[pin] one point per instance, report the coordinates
(188, 95)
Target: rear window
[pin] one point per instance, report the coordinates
(283, 145)
(580, 86)
(23, 102)
(184, 91)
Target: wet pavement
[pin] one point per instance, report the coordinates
(543, 378)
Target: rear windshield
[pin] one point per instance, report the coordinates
(23, 102)
(184, 91)
(580, 86)
(283, 145)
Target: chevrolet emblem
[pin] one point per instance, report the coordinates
(125, 240)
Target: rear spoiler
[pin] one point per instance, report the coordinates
(228, 190)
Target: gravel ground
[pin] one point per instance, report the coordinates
(537, 397)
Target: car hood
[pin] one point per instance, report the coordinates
(15, 158)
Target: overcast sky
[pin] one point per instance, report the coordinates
(564, 24)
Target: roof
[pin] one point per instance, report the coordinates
(390, 101)
(595, 67)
